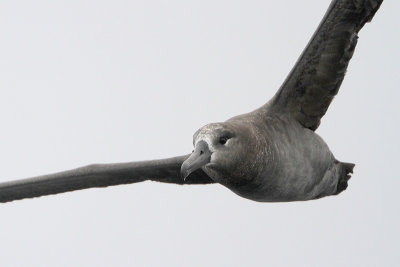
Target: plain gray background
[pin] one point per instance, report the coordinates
(111, 81)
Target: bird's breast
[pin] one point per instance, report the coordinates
(288, 161)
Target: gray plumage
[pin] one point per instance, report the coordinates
(100, 175)
(319, 72)
(270, 154)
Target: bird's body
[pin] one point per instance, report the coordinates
(282, 161)
(271, 154)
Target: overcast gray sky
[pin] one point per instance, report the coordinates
(108, 81)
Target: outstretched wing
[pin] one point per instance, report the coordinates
(319, 72)
(101, 175)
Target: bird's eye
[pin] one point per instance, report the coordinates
(223, 140)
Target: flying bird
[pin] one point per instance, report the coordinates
(271, 154)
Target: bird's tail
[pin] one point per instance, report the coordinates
(345, 171)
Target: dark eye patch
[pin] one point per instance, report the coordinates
(223, 140)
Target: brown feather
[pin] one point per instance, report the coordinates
(315, 79)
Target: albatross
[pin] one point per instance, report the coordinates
(271, 154)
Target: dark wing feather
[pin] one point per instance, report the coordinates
(101, 175)
(319, 72)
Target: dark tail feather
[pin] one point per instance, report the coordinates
(346, 169)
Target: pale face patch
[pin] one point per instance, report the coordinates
(208, 134)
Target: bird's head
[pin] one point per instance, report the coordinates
(218, 148)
